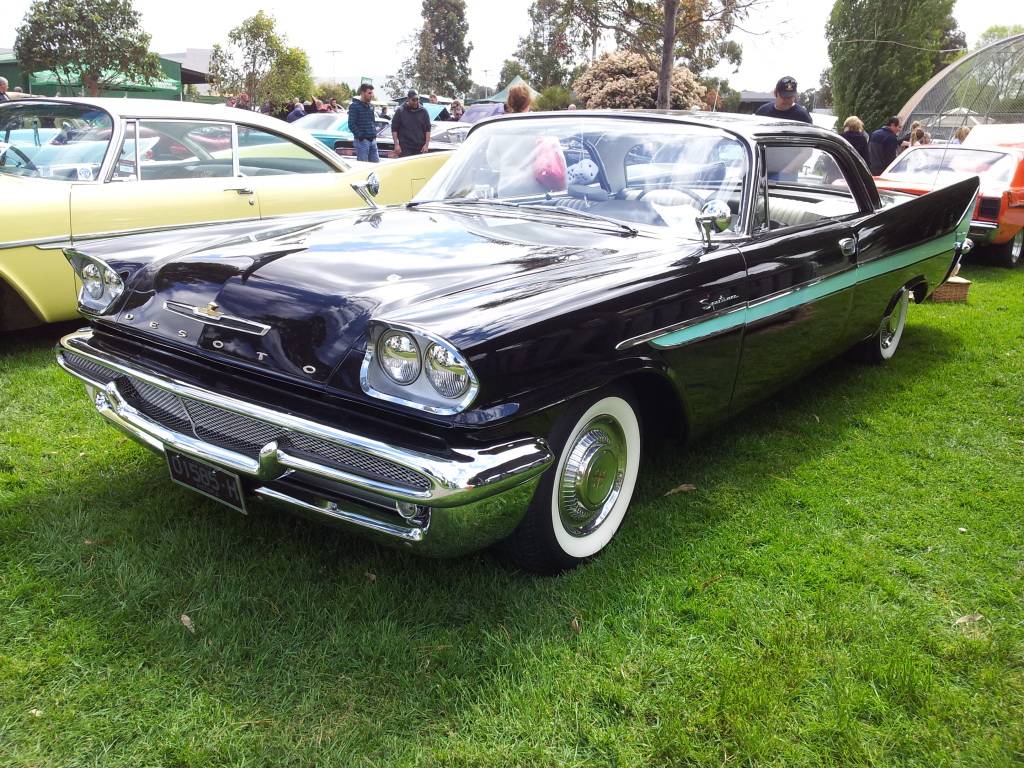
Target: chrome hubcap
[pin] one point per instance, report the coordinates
(592, 478)
(892, 324)
(1017, 246)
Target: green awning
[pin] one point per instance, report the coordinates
(48, 78)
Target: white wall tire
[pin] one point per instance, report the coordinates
(882, 346)
(583, 497)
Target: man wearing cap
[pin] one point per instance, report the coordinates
(884, 145)
(785, 105)
(410, 127)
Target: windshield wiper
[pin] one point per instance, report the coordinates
(580, 214)
(625, 228)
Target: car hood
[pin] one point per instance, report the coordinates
(298, 298)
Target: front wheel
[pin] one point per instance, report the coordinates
(1008, 254)
(582, 498)
(883, 345)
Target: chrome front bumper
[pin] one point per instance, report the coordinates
(439, 505)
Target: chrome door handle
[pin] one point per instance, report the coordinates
(848, 246)
(240, 190)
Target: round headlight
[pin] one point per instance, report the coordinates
(113, 282)
(399, 356)
(92, 280)
(447, 372)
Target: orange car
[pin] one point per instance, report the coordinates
(998, 219)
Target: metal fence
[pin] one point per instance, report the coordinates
(984, 87)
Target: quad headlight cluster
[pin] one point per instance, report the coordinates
(418, 369)
(101, 285)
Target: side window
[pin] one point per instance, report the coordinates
(805, 185)
(170, 149)
(261, 153)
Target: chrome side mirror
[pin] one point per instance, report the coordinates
(715, 216)
(368, 189)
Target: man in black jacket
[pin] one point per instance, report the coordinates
(410, 127)
(363, 126)
(884, 145)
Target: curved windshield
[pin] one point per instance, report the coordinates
(647, 172)
(53, 141)
(931, 161)
(323, 123)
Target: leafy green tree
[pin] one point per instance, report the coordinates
(547, 52)
(952, 45)
(260, 62)
(439, 62)
(97, 42)
(998, 32)
(442, 58)
(873, 72)
(341, 91)
(553, 98)
(289, 77)
(510, 69)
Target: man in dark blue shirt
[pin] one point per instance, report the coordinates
(785, 106)
(410, 127)
(884, 145)
(362, 125)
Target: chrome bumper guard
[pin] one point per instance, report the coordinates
(465, 501)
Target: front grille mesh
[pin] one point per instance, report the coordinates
(86, 367)
(356, 462)
(242, 434)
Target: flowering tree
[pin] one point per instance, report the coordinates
(625, 80)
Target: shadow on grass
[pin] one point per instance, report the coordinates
(32, 339)
(840, 396)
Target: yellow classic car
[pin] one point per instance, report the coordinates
(81, 169)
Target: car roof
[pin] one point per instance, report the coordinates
(156, 109)
(751, 127)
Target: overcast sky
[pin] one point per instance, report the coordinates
(784, 37)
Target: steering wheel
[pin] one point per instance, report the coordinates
(688, 192)
(29, 165)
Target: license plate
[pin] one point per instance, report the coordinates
(206, 479)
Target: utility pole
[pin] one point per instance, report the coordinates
(487, 88)
(334, 65)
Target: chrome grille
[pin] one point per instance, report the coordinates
(231, 430)
(87, 367)
(240, 433)
(157, 404)
(357, 462)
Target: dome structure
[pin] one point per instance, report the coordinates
(984, 87)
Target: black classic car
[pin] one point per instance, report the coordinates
(483, 364)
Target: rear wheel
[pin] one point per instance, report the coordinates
(582, 498)
(1008, 254)
(883, 345)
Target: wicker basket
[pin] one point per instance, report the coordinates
(954, 289)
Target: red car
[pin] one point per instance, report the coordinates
(998, 219)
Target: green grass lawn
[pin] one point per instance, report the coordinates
(799, 608)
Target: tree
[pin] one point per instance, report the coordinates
(718, 96)
(552, 98)
(511, 69)
(548, 51)
(440, 58)
(825, 87)
(260, 62)
(998, 32)
(289, 77)
(694, 31)
(97, 42)
(625, 80)
(952, 45)
(881, 53)
(341, 91)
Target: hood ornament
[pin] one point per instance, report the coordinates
(211, 315)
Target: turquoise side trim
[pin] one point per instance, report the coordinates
(814, 291)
